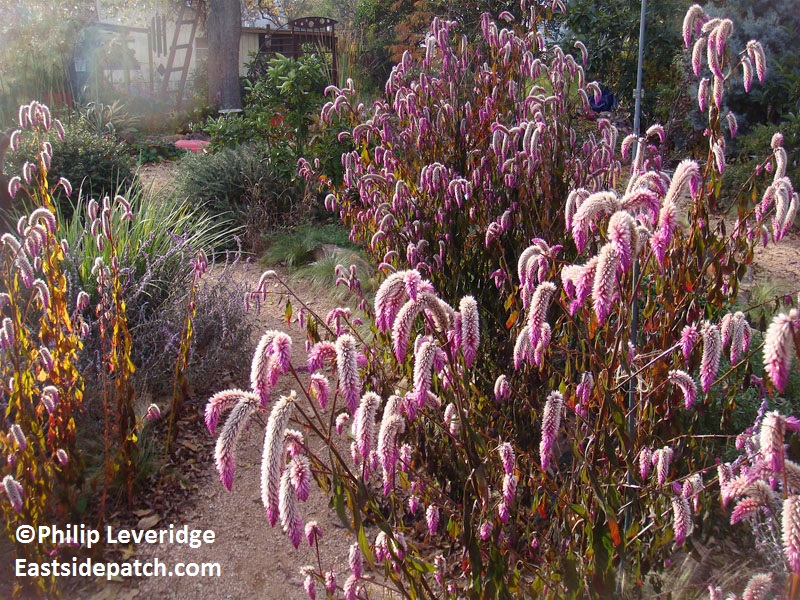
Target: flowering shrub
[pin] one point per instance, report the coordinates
(582, 469)
(40, 340)
(44, 322)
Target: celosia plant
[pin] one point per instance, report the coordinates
(40, 341)
(43, 322)
(469, 184)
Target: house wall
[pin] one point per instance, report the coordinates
(248, 45)
(141, 69)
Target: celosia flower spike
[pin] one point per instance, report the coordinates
(537, 315)
(622, 233)
(219, 403)
(423, 367)
(790, 531)
(605, 282)
(319, 353)
(259, 380)
(392, 425)
(320, 388)
(778, 354)
(712, 352)
(300, 474)
(272, 463)
(689, 337)
(470, 328)
(584, 389)
(645, 459)
(356, 561)
(451, 419)
(771, 435)
(364, 423)
(686, 179)
(432, 518)
(341, 421)
(687, 385)
(388, 300)
(694, 14)
(401, 329)
(502, 390)
(756, 53)
(291, 522)
(309, 583)
(599, 203)
(740, 338)
(702, 94)
(747, 73)
(507, 457)
(279, 362)
(509, 488)
(682, 518)
(19, 437)
(759, 587)
(662, 458)
(347, 366)
(153, 413)
(382, 552)
(551, 422)
(14, 492)
(226, 443)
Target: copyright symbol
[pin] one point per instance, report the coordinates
(25, 534)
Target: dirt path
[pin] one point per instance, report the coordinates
(778, 264)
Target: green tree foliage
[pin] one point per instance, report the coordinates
(776, 25)
(38, 38)
(610, 30)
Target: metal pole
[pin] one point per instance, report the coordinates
(637, 114)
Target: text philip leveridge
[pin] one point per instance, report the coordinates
(81, 535)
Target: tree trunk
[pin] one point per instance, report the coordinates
(224, 26)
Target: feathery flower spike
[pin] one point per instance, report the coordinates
(790, 531)
(272, 463)
(712, 352)
(778, 354)
(229, 436)
(470, 328)
(347, 367)
(551, 422)
(13, 491)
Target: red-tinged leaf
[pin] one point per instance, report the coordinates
(614, 529)
(512, 318)
(542, 508)
(288, 312)
(592, 327)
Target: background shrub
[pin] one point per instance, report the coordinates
(254, 185)
(474, 173)
(95, 164)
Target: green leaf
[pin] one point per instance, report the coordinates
(364, 545)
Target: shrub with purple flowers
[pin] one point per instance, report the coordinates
(592, 335)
